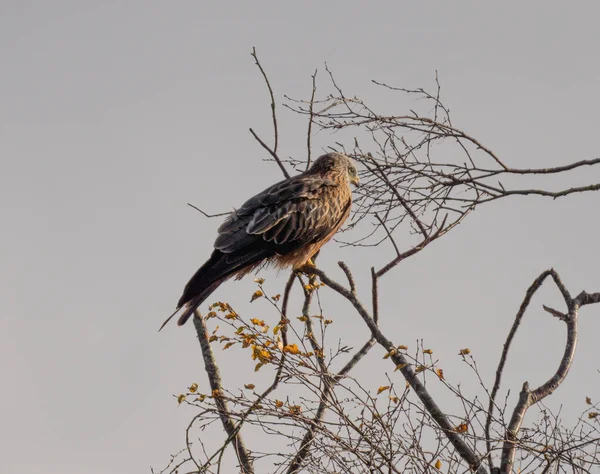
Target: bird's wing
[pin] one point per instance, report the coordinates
(287, 215)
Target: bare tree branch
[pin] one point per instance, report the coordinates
(216, 385)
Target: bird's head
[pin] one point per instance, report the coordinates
(337, 163)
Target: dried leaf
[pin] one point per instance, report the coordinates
(593, 414)
(302, 318)
(438, 464)
(258, 366)
(420, 368)
(210, 314)
(462, 428)
(291, 349)
(327, 322)
(257, 322)
(394, 399)
(260, 353)
(200, 398)
(216, 393)
(295, 409)
(400, 367)
(249, 386)
(257, 294)
(228, 345)
(192, 388)
(428, 351)
(260, 281)
(278, 403)
(213, 338)
(464, 351)
(276, 297)
(180, 399)
(402, 348)
(231, 315)
(383, 388)
(588, 400)
(440, 373)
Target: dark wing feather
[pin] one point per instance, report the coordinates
(281, 219)
(280, 214)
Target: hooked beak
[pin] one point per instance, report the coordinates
(355, 181)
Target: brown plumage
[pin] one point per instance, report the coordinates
(285, 225)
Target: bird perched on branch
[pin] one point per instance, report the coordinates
(284, 225)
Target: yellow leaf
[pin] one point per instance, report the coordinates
(210, 314)
(327, 322)
(278, 403)
(249, 386)
(180, 399)
(257, 294)
(402, 348)
(260, 353)
(200, 398)
(391, 353)
(400, 367)
(258, 366)
(228, 345)
(303, 318)
(231, 315)
(438, 464)
(593, 414)
(193, 387)
(276, 297)
(420, 368)
(394, 399)
(216, 393)
(276, 329)
(291, 349)
(260, 281)
(257, 322)
(295, 409)
(383, 388)
(464, 351)
(428, 351)
(239, 330)
(462, 428)
(588, 400)
(440, 373)
(213, 338)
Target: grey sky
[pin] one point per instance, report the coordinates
(113, 115)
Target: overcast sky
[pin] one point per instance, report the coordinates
(114, 115)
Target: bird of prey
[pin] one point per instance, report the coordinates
(285, 225)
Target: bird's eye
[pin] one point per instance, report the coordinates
(352, 171)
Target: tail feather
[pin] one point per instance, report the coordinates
(190, 306)
(218, 268)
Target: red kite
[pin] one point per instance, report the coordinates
(284, 225)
